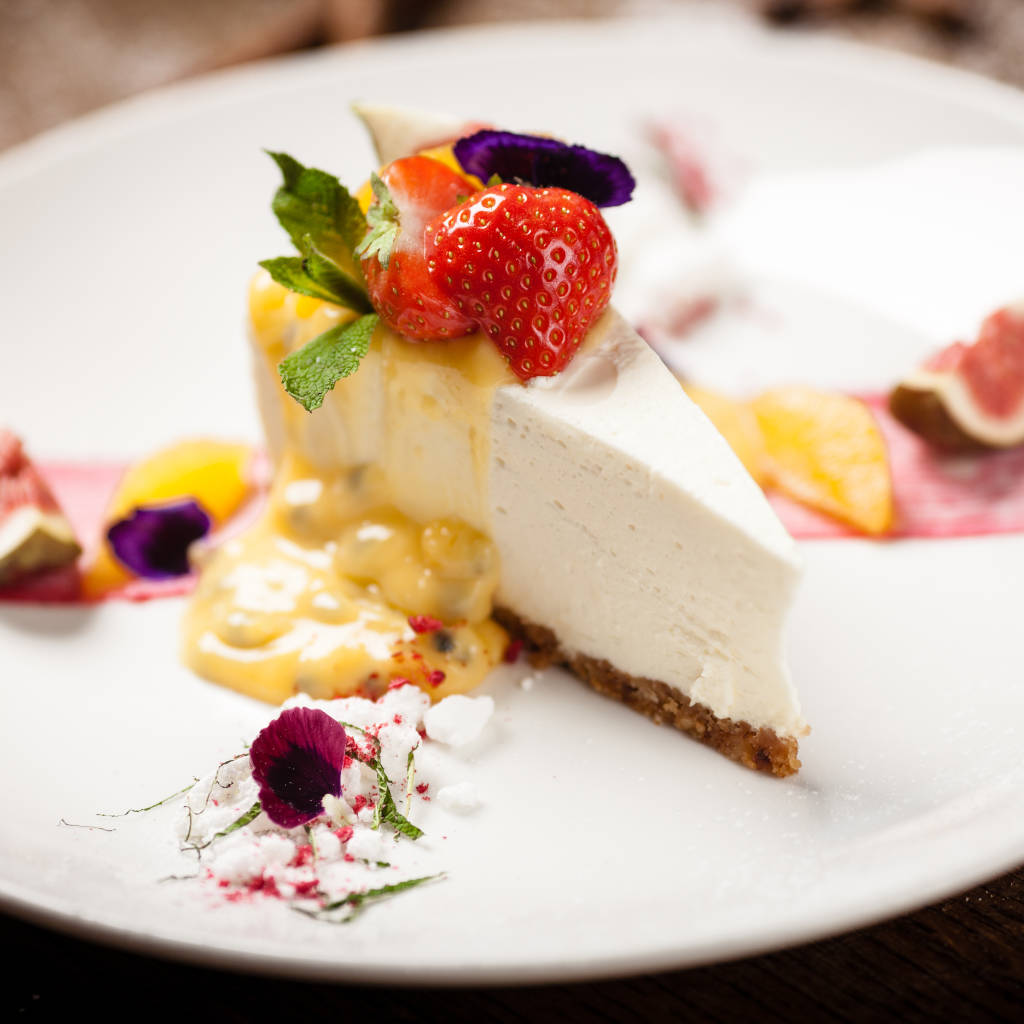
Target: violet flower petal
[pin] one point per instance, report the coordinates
(297, 760)
(534, 160)
(153, 540)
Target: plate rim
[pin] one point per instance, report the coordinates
(99, 128)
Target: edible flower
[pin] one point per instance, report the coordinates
(534, 160)
(297, 761)
(153, 540)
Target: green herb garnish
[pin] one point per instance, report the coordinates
(313, 202)
(311, 371)
(326, 225)
(151, 807)
(354, 901)
(387, 811)
(240, 822)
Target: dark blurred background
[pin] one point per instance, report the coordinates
(61, 58)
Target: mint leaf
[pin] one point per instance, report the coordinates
(325, 272)
(354, 901)
(313, 202)
(383, 221)
(311, 371)
(318, 276)
(387, 811)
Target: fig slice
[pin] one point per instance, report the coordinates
(35, 535)
(970, 396)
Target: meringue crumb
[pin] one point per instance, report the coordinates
(458, 720)
(462, 798)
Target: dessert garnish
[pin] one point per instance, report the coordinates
(533, 270)
(407, 195)
(153, 541)
(970, 396)
(297, 761)
(534, 267)
(35, 535)
(546, 163)
(216, 475)
(826, 450)
(822, 449)
(309, 816)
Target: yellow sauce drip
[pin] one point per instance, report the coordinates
(361, 531)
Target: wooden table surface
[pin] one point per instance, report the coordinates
(962, 959)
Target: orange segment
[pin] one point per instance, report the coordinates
(736, 422)
(826, 451)
(215, 473)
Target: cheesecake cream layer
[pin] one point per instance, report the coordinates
(623, 522)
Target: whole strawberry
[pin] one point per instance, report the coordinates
(534, 267)
(407, 195)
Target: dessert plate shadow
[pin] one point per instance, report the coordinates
(606, 845)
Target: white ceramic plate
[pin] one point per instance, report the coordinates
(881, 216)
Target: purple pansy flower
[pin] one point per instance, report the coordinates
(153, 540)
(534, 160)
(297, 761)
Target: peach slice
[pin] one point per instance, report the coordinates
(736, 422)
(826, 451)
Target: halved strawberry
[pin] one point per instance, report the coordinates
(408, 195)
(533, 266)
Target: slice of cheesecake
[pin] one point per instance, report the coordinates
(596, 514)
(634, 548)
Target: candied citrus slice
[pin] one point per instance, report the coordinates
(736, 422)
(215, 473)
(826, 451)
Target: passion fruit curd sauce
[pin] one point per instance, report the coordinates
(316, 595)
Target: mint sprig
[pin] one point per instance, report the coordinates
(318, 276)
(313, 202)
(311, 371)
(326, 225)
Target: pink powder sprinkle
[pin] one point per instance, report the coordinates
(422, 788)
(344, 833)
(436, 678)
(425, 624)
(399, 681)
(303, 856)
(511, 655)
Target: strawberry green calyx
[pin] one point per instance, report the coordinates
(383, 221)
